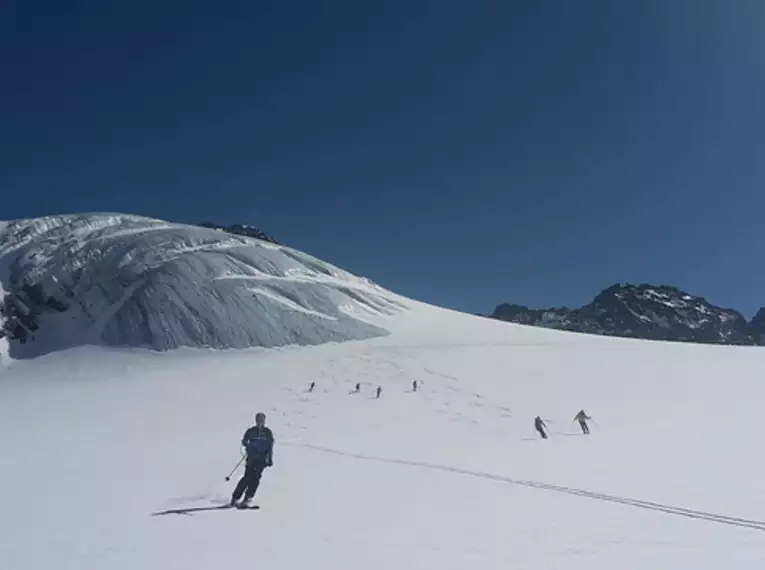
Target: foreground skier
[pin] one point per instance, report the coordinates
(258, 442)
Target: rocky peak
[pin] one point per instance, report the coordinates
(757, 326)
(645, 311)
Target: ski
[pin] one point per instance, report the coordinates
(247, 507)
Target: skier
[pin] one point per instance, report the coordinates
(582, 418)
(258, 442)
(379, 391)
(312, 386)
(414, 386)
(540, 426)
(357, 389)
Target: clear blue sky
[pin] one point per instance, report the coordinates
(461, 152)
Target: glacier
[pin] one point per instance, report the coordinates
(129, 281)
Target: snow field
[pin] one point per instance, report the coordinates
(94, 441)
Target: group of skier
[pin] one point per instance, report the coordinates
(581, 418)
(357, 388)
(258, 444)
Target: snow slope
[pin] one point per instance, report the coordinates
(96, 440)
(120, 280)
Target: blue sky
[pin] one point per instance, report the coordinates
(461, 152)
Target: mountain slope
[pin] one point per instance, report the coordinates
(450, 477)
(647, 312)
(122, 280)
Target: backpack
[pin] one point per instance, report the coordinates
(257, 442)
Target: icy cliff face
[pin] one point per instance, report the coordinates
(122, 280)
(4, 348)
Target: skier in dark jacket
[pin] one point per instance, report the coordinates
(540, 426)
(582, 418)
(258, 442)
(312, 387)
(379, 391)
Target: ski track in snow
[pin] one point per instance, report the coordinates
(668, 509)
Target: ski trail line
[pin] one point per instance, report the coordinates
(637, 503)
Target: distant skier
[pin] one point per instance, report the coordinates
(582, 418)
(379, 392)
(357, 389)
(414, 386)
(540, 426)
(312, 387)
(258, 442)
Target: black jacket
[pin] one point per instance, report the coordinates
(259, 443)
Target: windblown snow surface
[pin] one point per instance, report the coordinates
(96, 443)
(138, 282)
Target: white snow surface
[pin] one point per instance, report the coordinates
(95, 440)
(138, 282)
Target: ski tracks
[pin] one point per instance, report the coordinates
(636, 503)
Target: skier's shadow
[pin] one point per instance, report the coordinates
(190, 510)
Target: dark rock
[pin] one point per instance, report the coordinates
(241, 230)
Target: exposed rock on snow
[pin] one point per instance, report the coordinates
(124, 280)
(241, 230)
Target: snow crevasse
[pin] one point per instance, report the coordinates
(122, 280)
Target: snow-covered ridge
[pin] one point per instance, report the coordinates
(123, 280)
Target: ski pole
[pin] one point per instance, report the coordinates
(228, 477)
